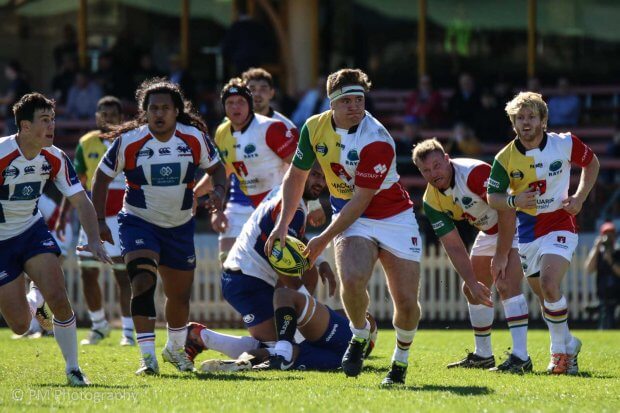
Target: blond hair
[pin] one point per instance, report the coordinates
(425, 148)
(531, 100)
(347, 77)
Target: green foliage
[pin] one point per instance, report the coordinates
(32, 370)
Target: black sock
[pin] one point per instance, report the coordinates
(286, 323)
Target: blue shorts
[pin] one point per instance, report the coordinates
(14, 252)
(326, 353)
(250, 296)
(175, 246)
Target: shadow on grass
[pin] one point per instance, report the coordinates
(93, 386)
(228, 377)
(582, 374)
(459, 390)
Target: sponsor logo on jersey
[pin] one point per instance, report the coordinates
(536, 165)
(26, 191)
(184, 150)
(249, 151)
(561, 239)
(517, 174)
(299, 154)
(148, 152)
(352, 157)
(555, 168)
(164, 151)
(289, 134)
(46, 168)
(414, 241)
(240, 168)
(30, 169)
(11, 171)
(321, 148)
(380, 168)
(341, 173)
(437, 225)
(493, 183)
(340, 145)
(167, 174)
(93, 155)
(467, 201)
(248, 318)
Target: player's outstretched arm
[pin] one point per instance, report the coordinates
(292, 191)
(99, 194)
(453, 244)
(88, 219)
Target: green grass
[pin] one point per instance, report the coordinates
(32, 370)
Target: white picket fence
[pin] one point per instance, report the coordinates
(440, 295)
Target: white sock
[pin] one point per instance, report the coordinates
(481, 318)
(65, 334)
(35, 327)
(176, 338)
(34, 298)
(363, 333)
(285, 349)
(146, 342)
(516, 312)
(127, 323)
(232, 346)
(404, 338)
(557, 317)
(97, 317)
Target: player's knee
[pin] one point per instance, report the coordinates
(549, 287)
(408, 304)
(353, 282)
(142, 274)
(20, 325)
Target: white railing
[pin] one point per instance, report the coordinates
(440, 295)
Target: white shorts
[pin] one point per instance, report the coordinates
(485, 245)
(237, 216)
(398, 234)
(562, 243)
(112, 250)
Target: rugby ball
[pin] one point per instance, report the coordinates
(289, 260)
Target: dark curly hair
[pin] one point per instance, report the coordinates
(159, 85)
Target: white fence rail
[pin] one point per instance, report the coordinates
(440, 295)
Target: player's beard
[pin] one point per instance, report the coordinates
(532, 135)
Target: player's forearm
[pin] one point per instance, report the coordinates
(588, 179)
(99, 192)
(292, 191)
(506, 225)
(86, 214)
(498, 201)
(458, 257)
(220, 179)
(592, 259)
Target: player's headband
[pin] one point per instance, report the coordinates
(353, 90)
(243, 91)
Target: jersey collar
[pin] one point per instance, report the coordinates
(452, 180)
(522, 148)
(271, 112)
(351, 130)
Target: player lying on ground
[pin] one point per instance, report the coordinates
(325, 332)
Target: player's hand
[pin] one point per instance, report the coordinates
(315, 247)
(527, 199)
(328, 277)
(572, 205)
(98, 250)
(104, 232)
(317, 218)
(212, 203)
(59, 227)
(219, 222)
(278, 233)
(481, 294)
(498, 266)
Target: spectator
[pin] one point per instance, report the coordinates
(463, 142)
(534, 85)
(61, 83)
(146, 69)
(404, 146)
(564, 108)
(314, 101)
(425, 105)
(83, 97)
(604, 259)
(111, 80)
(491, 123)
(18, 87)
(180, 76)
(68, 47)
(465, 102)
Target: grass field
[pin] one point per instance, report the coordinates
(31, 379)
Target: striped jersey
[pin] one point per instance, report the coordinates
(465, 199)
(255, 154)
(363, 156)
(247, 254)
(88, 153)
(547, 169)
(22, 181)
(160, 176)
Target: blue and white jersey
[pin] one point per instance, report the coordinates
(160, 176)
(22, 181)
(247, 254)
